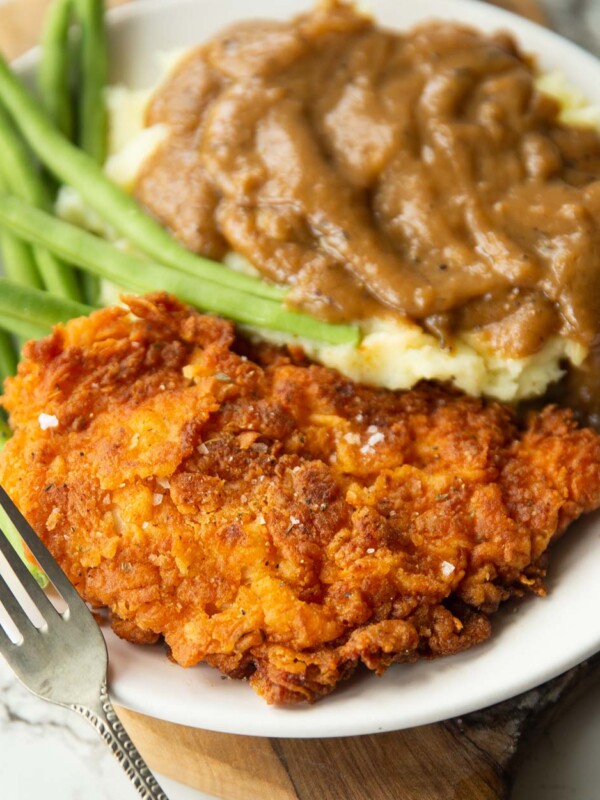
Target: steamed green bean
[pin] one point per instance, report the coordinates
(8, 357)
(36, 307)
(54, 72)
(23, 330)
(93, 124)
(4, 430)
(78, 170)
(8, 529)
(20, 175)
(138, 274)
(18, 262)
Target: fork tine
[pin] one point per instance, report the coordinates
(9, 650)
(5, 643)
(19, 656)
(25, 578)
(14, 609)
(40, 552)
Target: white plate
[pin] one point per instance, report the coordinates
(532, 643)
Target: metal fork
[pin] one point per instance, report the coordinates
(64, 660)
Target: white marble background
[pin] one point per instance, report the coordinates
(578, 20)
(49, 753)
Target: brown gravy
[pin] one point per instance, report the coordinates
(420, 172)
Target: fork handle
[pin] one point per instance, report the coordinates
(102, 716)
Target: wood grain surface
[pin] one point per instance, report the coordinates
(526, 8)
(21, 20)
(435, 762)
(470, 758)
(21, 24)
(473, 758)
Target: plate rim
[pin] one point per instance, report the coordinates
(297, 724)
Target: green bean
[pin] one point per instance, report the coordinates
(19, 173)
(136, 273)
(23, 330)
(78, 170)
(17, 165)
(58, 277)
(90, 288)
(5, 431)
(18, 262)
(93, 123)
(16, 256)
(13, 536)
(53, 75)
(8, 357)
(35, 307)
(6, 526)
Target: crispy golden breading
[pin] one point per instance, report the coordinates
(270, 517)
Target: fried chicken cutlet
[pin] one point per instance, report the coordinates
(270, 517)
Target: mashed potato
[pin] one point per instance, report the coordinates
(392, 354)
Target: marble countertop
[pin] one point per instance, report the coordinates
(50, 752)
(578, 20)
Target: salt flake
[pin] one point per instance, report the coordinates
(47, 421)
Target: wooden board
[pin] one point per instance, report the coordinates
(21, 23)
(531, 9)
(21, 20)
(472, 758)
